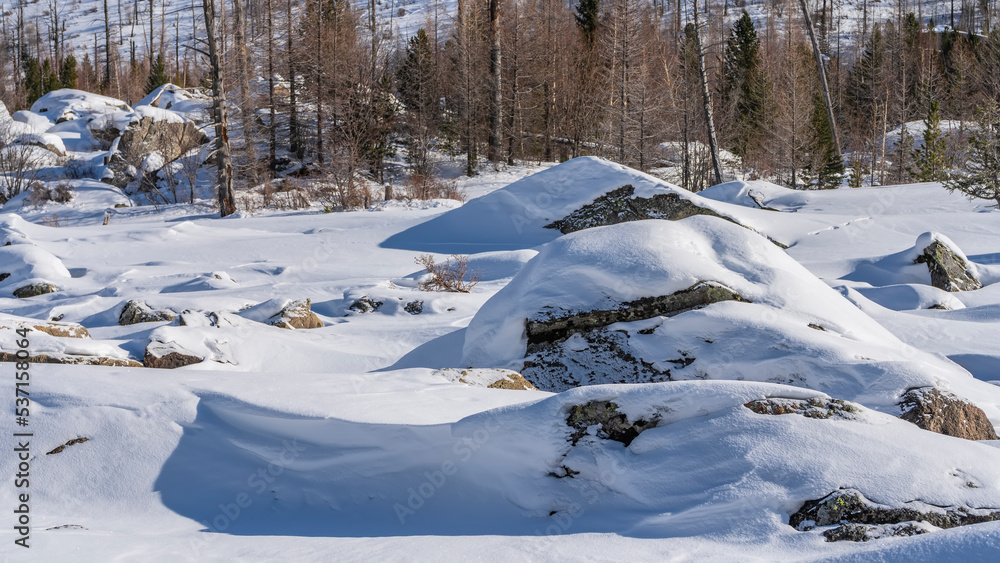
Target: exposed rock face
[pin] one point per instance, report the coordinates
(34, 290)
(944, 413)
(167, 356)
(621, 206)
(695, 297)
(817, 407)
(571, 350)
(365, 305)
(948, 270)
(296, 315)
(138, 312)
(169, 138)
(849, 508)
(613, 424)
(73, 360)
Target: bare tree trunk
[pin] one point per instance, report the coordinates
(821, 69)
(293, 118)
(706, 95)
(107, 45)
(243, 76)
(495, 100)
(223, 158)
(272, 126)
(319, 83)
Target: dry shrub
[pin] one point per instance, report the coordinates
(448, 276)
(51, 220)
(41, 194)
(430, 186)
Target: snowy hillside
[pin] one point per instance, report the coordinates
(746, 373)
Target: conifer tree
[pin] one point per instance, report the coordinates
(50, 78)
(827, 163)
(157, 75)
(982, 176)
(930, 160)
(587, 19)
(745, 90)
(67, 75)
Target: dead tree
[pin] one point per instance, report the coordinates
(223, 156)
(822, 78)
(495, 86)
(706, 95)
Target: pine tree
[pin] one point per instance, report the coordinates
(415, 82)
(827, 164)
(157, 75)
(982, 177)
(34, 81)
(67, 75)
(930, 160)
(50, 78)
(746, 88)
(587, 19)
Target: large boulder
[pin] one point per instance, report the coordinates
(159, 130)
(60, 329)
(168, 355)
(942, 412)
(66, 105)
(949, 268)
(135, 312)
(699, 298)
(296, 315)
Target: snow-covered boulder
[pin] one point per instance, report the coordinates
(52, 328)
(59, 343)
(67, 105)
(28, 270)
(580, 193)
(284, 313)
(153, 129)
(700, 298)
(950, 270)
(48, 141)
(134, 312)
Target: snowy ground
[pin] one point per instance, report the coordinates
(343, 443)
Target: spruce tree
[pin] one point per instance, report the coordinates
(34, 81)
(826, 164)
(587, 19)
(50, 78)
(746, 87)
(67, 75)
(157, 75)
(930, 160)
(982, 176)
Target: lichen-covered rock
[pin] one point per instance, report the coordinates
(365, 305)
(816, 407)
(136, 312)
(621, 206)
(949, 270)
(944, 413)
(296, 315)
(34, 290)
(72, 359)
(850, 508)
(868, 532)
(697, 296)
(613, 424)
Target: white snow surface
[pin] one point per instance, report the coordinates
(342, 442)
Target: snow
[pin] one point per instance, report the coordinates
(369, 453)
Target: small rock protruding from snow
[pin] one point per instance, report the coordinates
(949, 268)
(939, 411)
(60, 329)
(365, 305)
(486, 377)
(296, 315)
(136, 312)
(168, 355)
(613, 425)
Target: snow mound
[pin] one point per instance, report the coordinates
(28, 263)
(67, 104)
(515, 216)
(710, 464)
(790, 327)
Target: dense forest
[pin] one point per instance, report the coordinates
(325, 89)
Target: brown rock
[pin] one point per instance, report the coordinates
(65, 330)
(944, 413)
(73, 360)
(513, 381)
(296, 315)
(170, 360)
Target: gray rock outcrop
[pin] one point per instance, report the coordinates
(949, 271)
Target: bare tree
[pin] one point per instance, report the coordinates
(223, 156)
